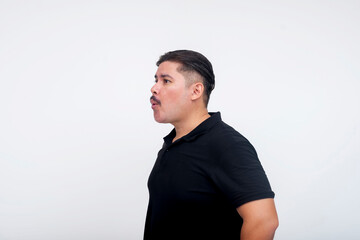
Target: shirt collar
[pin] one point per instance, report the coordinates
(202, 128)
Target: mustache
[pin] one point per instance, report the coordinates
(155, 100)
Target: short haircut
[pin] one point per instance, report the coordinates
(192, 61)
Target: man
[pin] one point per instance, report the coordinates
(207, 181)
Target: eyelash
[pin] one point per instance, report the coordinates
(165, 81)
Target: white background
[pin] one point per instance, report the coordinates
(77, 135)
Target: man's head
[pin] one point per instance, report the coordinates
(183, 83)
(195, 67)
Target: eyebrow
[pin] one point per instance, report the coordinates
(164, 76)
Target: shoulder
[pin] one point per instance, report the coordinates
(226, 136)
(224, 142)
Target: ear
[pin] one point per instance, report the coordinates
(197, 91)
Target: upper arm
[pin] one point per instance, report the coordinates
(260, 219)
(258, 209)
(240, 176)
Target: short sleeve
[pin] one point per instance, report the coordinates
(238, 174)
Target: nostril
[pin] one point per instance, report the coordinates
(154, 90)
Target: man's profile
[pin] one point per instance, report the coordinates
(207, 181)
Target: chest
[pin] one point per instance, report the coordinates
(183, 174)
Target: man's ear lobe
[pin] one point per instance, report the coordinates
(197, 91)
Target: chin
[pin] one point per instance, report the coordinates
(158, 118)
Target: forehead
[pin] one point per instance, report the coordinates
(167, 68)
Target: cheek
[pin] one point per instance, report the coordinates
(173, 96)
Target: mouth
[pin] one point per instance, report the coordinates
(154, 102)
(154, 105)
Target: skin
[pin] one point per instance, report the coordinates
(260, 219)
(180, 102)
(176, 101)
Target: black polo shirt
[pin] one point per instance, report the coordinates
(198, 181)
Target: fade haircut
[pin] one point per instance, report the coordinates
(193, 62)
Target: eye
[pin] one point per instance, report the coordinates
(166, 81)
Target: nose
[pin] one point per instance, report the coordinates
(155, 89)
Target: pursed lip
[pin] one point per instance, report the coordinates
(154, 102)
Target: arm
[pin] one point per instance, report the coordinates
(259, 219)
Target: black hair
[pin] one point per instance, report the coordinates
(192, 61)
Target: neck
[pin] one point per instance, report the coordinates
(190, 123)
